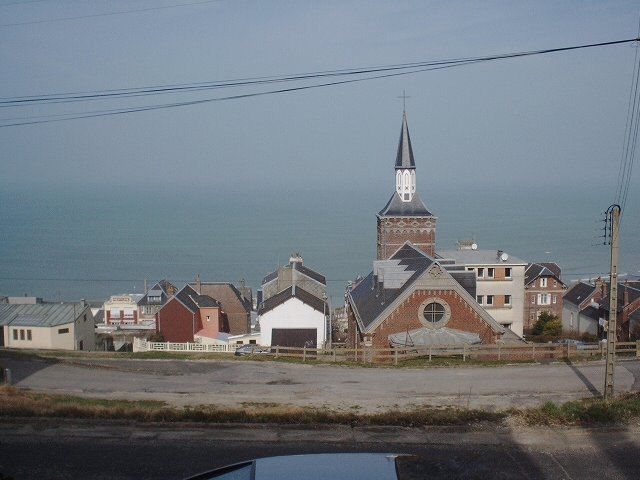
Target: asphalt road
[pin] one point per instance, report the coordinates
(60, 450)
(231, 383)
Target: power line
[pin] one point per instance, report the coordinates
(173, 88)
(105, 14)
(428, 66)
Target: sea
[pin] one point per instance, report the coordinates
(89, 243)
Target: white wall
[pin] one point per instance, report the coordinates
(514, 287)
(580, 324)
(293, 313)
(49, 338)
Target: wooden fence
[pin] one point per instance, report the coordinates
(537, 351)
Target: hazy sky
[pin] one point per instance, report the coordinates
(555, 119)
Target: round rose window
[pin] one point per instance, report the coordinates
(433, 312)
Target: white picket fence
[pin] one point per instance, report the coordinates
(141, 345)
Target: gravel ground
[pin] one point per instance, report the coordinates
(232, 383)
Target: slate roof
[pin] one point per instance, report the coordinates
(300, 268)
(591, 312)
(310, 273)
(41, 314)
(578, 293)
(479, 257)
(163, 286)
(190, 299)
(633, 294)
(291, 292)
(231, 299)
(395, 207)
(404, 157)
(554, 267)
(537, 270)
(370, 300)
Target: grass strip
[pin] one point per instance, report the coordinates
(16, 402)
(418, 362)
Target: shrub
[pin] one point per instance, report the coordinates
(156, 337)
(553, 328)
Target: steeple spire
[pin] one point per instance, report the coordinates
(404, 158)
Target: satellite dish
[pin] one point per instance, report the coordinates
(504, 257)
(474, 246)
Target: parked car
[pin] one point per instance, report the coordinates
(579, 345)
(250, 349)
(329, 466)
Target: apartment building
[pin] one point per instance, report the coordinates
(499, 282)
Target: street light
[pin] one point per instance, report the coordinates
(324, 310)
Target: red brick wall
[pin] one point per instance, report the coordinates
(176, 323)
(393, 232)
(406, 317)
(532, 310)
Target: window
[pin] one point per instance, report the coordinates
(544, 299)
(481, 273)
(480, 299)
(433, 312)
(543, 282)
(489, 299)
(63, 330)
(21, 334)
(239, 342)
(29, 335)
(469, 269)
(571, 320)
(208, 318)
(490, 272)
(555, 298)
(15, 334)
(507, 299)
(555, 283)
(507, 272)
(533, 299)
(252, 342)
(84, 317)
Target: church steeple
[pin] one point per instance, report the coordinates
(405, 165)
(405, 217)
(404, 158)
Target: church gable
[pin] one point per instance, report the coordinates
(432, 311)
(435, 283)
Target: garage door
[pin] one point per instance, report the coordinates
(294, 337)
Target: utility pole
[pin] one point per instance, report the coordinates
(613, 214)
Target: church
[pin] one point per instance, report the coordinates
(412, 297)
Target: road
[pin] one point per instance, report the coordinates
(60, 449)
(232, 383)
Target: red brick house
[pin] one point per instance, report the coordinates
(236, 304)
(543, 292)
(187, 316)
(412, 300)
(628, 316)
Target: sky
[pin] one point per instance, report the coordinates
(557, 119)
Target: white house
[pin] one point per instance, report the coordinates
(293, 318)
(64, 326)
(499, 282)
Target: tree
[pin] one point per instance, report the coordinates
(547, 324)
(553, 328)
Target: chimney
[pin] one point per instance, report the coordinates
(83, 302)
(198, 284)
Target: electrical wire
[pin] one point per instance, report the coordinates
(106, 14)
(412, 70)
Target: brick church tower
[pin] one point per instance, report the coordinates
(405, 216)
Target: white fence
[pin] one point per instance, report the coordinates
(140, 345)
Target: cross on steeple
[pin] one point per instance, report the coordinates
(404, 97)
